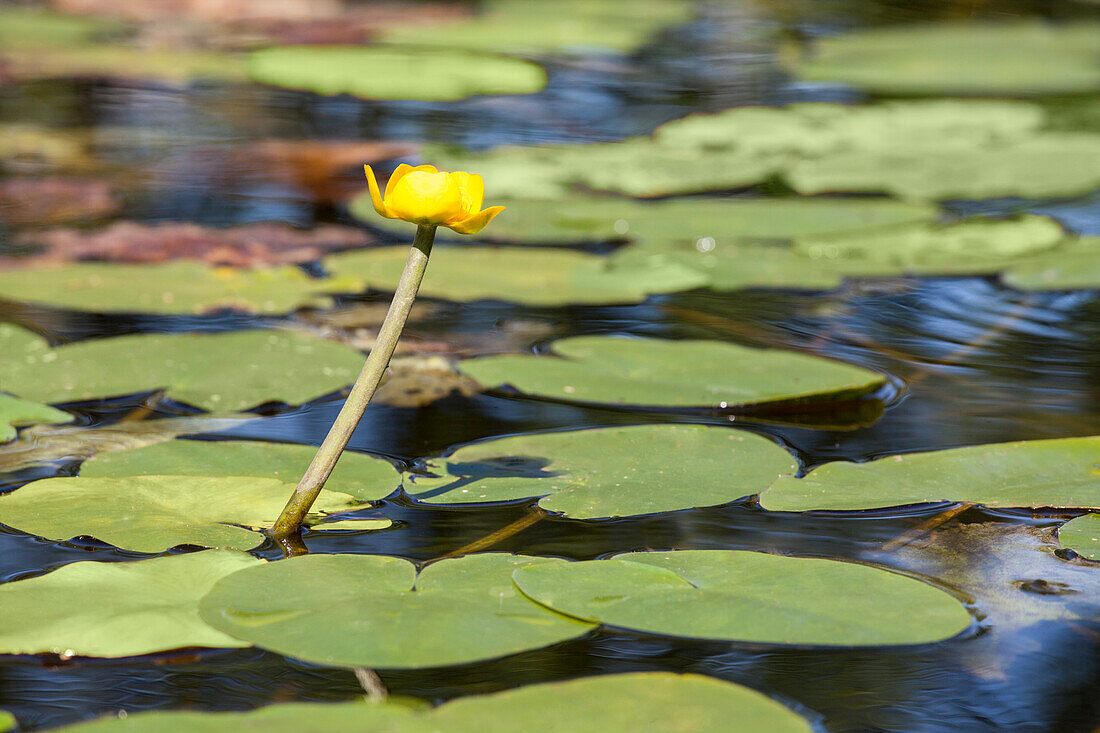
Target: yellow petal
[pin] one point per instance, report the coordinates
(424, 197)
(477, 222)
(375, 196)
(473, 193)
(403, 170)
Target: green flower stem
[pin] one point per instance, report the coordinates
(356, 404)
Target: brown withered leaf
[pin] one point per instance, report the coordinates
(27, 201)
(416, 381)
(250, 245)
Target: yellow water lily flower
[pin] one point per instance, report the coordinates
(422, 195)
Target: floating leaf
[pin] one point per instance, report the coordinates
(36, 28)
(1033, 473)
(220, 371)
(15, 412)
(642, 701)
(100, 609)
(634, 371)
(363, 610)
(533, 277)
(748, 596)
(394, 73)
(177, 287)
(612, 472)
(155, 513)
(7, 721)
(1082, 535)
(362, 476)
(360, 525)
(959, 59)
(118, 61)
(1074, 266)
(32, 201)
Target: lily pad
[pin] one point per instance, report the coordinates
(176, 287)
(1011, 59)
(642, 701)
(704, 374)
(542, 276)
(362, 476)
(611, 472)
(15, 412)
(1082, 535)
(37, 28)
(123, 61)
(394, 72)
(1035, 473)
(155, 513)
(358, 525)
(100, 609)
(7, 721)
(748, 597)
(373, 611)
(1073, 266)
(220, 371)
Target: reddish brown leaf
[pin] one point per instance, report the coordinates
(25, 201)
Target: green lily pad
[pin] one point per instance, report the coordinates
(7, 721)
(175, 287)
(373, 611)
(155, 513)
(541, 276)
(1074, 266)
(362, 476)
(359, 525)
(1012, 59)
(100, 609)
(641, 701)
(15, 412)
(1033, 473)
(394, 73)
(635, 371)
(611, 472)
(37, 28)
(220, 371)
(748, 596)
(1082, 535)
(578, 26)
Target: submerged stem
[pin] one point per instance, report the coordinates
(363, 390)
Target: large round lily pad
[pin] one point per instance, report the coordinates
(373, 611)
(219, 371)
(1074, 265)
(99, 609)
(1082, 535)
(155, 513)
(748, 596)
(611, 472)
(394, 73)
(1012, 59)
(1034, 473)
(174, 287)
(661, 702)
(362, 476)
(520, 275)
(704, 374)
(15, 412)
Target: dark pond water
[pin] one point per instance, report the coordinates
(972, 361)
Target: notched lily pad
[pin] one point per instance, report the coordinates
(1033, 473)
(15, 412)
(156, 513)
(611, 472)
(219, 371)
(393, 72)
(373, 611)
(100, 609)
(362, 476)
(1082, 535)
(748, 596)
(655, 372)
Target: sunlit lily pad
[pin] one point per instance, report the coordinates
(15, 412)
(362, 476)
(748, 596)
(155, 513)
(634, 371)
(1073, 266)
(7, 721)
(611, 472)
(1013, 59)
(394, 72)
(373, 611)
(101, 609)
(542, 276)
(1035, 473)
(221, 371)
(355, 525)
(1082, 535)
(641, 701)
(177, 287)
